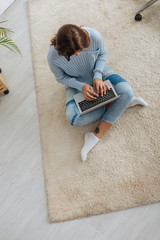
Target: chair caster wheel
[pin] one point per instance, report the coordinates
(6, 91)
(138, 17)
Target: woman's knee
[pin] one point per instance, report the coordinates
(70, 114)
(70, 120)
(128, 92)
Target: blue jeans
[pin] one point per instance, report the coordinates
(110, 115)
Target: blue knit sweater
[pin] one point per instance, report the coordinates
(80, 69)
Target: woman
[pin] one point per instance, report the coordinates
(77, 57)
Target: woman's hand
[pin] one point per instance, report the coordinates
(87, 91)
(99, 85)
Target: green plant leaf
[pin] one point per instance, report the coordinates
(7, 32)
(3, 21)
(8, 43)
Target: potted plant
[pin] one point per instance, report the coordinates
(6, 41)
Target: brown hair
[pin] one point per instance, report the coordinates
(69, 39)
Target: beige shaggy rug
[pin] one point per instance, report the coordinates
(123, 169)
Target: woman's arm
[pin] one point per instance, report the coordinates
(101, 59)
(62, 77)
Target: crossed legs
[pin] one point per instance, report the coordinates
(110, 114)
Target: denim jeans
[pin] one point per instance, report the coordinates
(114, 111)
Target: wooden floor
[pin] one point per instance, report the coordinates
(23, 207)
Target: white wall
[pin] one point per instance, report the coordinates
(4, 4)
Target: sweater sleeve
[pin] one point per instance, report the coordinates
(101, 59)
(62, 77)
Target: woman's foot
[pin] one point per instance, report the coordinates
(137, 100)
(90, 141)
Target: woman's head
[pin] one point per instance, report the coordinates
(69, 40)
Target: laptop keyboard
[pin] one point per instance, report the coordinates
(84, 105)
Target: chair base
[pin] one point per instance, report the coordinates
(138, 16)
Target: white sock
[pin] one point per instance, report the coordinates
(137, 100)
(90, 141)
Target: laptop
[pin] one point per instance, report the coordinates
(85, 106)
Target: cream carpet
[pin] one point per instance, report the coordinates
(123, 169)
